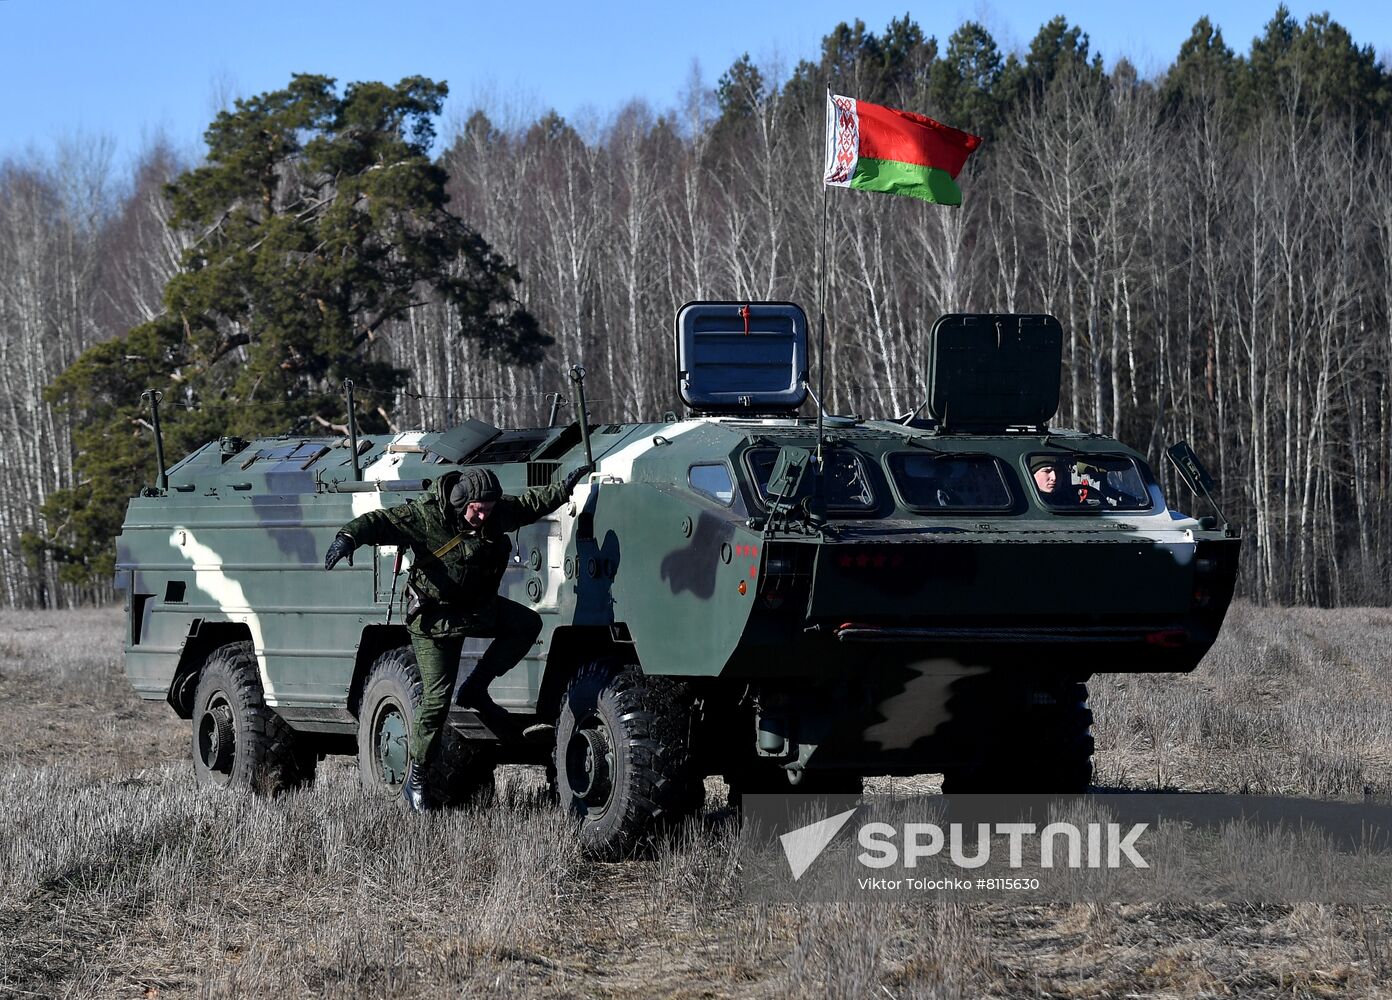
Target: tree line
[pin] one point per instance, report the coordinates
(1215, 240)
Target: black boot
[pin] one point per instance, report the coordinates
(473, 694)
(413, 789)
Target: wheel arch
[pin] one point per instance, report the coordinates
(374, 641)
(571, 647)
(203, 637)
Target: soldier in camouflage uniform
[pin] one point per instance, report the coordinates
(457, 534)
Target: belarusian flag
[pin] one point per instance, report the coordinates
(874, 148)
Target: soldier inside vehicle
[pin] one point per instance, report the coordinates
(1053, 480)
(1091, 482)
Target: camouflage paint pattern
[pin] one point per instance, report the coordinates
(864, 629)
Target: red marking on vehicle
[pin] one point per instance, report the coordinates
(844, 562)
(880, 561)
(1169, 638)
(754, 570)
(862, 560)
(754, 551)
(744, 315)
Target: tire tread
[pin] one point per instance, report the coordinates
(279, 758)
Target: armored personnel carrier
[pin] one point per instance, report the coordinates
(790, 601)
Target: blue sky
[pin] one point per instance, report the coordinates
(129, 69)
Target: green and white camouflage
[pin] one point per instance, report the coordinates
(714, 600)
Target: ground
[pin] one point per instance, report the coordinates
(119, 879)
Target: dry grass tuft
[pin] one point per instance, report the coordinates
(118, 878)
(1290, 702)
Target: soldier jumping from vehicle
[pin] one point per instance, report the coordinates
(457, 534)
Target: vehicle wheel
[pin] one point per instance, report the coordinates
(237, 741)
(622, 757)
(458, 773)
(1045, 749)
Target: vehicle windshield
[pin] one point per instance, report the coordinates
(1072, 482)
(950, 482)
(847, 487)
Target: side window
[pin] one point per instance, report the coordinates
(1084, 483)
(713, 481)
(848, 488)
(948, 482)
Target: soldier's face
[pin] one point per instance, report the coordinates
(1046, 478)
(477, 511)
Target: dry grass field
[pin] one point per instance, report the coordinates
(118, 879)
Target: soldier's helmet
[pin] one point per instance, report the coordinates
(475, 485)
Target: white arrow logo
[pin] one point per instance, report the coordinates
(805, 844)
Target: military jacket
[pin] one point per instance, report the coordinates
(456, 569)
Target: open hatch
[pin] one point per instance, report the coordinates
(742, 358)
(994, 371)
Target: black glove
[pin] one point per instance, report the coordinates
(575, 477)
(342, 545)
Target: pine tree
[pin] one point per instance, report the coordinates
(317, 220)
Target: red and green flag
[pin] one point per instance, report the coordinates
(874, 148)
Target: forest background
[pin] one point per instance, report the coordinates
(1215, 239)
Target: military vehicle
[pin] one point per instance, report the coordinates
(791, 601)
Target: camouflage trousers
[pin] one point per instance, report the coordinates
(513, 629)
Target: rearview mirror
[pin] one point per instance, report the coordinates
(789, 471)
(1190, 469)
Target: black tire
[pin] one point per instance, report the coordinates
(623, 758)
(1045, 747)
(238, 742)
(459, 774)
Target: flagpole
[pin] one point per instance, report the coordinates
(821, 307)
(821, 337)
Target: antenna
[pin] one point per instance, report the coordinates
(154, 396)
(577, 375)
(352, 429)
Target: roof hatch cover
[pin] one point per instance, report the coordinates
(460, 441)
(990, 371)
(742, 357)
